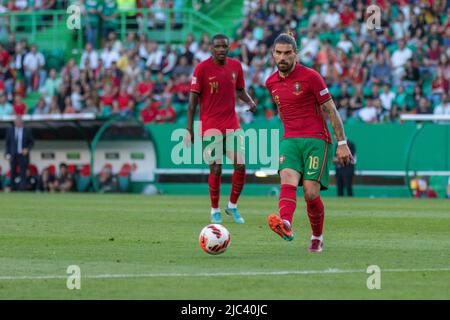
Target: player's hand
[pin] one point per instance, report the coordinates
(189, 137)
(25, 151)
(252, 107)
(344, 155)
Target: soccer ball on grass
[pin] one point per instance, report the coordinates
(214, 239)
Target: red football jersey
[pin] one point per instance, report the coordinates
(298, 98)
(217, 87)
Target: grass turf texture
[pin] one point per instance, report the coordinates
(42, 234)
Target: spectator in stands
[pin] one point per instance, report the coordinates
(317, 19)
(107, 100)
(41, 107)
(108, 13)
(90, 106)
(369, 113)
(92, 21)
(144, 88)
(181, 89)
(124, 103)
(76, 99)
(149, 113)
(203, 53)
(439, 86)
(19, 106)
(33, 64)
(399, 59)
(54, 107)
(182, 67)
(380, 72)
(89, 58)
(68, 106)
(443, 108)
(332, 18)
(169, 61)
(109, 55)
(155, 57)
(387, 98)
(64, 182)
(424, 106)
(51, 86)
(6, 108)
(411, 75)
(19, 141)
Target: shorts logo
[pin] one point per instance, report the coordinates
(282, 158)
(297, 89)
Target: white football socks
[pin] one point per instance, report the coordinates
(317, 238)
(232, 205)
(215, 210)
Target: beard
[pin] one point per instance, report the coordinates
(284, 66)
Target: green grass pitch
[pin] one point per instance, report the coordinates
(141, 247)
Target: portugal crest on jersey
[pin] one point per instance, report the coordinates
(297, 89)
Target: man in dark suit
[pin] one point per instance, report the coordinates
(19, 142)
(344, 174)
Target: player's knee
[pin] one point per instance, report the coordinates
(287, 177)
(310, 194)
(216, 169)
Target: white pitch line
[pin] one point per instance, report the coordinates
(218, 274)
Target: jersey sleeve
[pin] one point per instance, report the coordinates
(319, 88)
(196, 82)
(240, 82)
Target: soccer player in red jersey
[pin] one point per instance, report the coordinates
(214, 85)
(303, 99)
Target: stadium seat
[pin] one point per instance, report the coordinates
(83, 179)
(124, 178)
(52, 169)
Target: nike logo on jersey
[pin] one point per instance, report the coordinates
(210, 78)
(273, 91)
(311, 172)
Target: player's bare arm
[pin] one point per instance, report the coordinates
(244, 96)
(193, 102)
(343, 153)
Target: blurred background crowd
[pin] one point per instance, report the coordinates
(402, 66)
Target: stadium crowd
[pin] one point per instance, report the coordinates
(374, 75)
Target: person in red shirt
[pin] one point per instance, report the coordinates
(19, 106)
(107, 100)
(149, 113)
(124, 102)
(214, 85)
(181, 89)
(144, 88)
(347, 16)
(303, 99)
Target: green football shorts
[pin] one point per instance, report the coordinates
(215, 147)
(309, 156)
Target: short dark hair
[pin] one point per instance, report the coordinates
(220, 36)
(285, 38)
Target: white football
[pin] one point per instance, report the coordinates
(214, 239)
